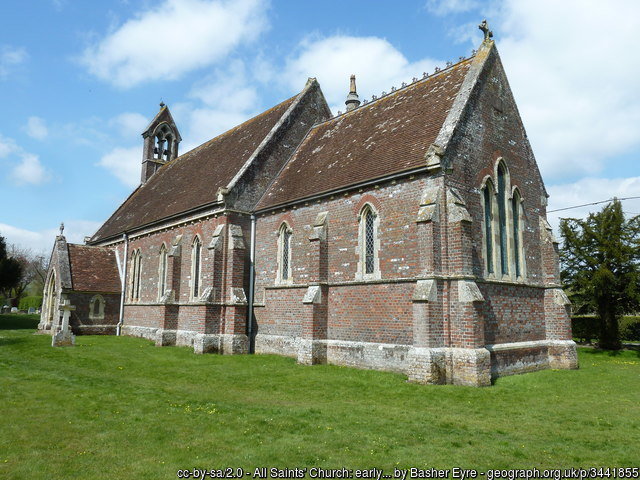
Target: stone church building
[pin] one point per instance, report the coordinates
(407, 234)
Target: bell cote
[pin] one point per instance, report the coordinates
(161, 140)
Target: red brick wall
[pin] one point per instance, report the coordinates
(357, 311)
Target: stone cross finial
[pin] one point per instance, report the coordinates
(61, 228)
(484, 26)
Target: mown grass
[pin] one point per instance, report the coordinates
(113, 408)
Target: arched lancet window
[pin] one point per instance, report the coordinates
(162, 271)
(136, 267)
(488, 195)
(517, 231)
(196, 250)
(502, 219)
(96, 308)
(368, 239)
(284, 253)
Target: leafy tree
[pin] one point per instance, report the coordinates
(600, 259)
(10, 270)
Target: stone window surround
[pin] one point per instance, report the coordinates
(361, 249)
(511, 192)
(100, 302)
(281, 278)
(162, 270)
(195, 282)
(135, 275)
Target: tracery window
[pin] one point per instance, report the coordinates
(503, 214)
(162, 271)
(284, 253)
(196, 250)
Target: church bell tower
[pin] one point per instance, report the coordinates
(161, 140)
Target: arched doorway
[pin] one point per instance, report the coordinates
(49, 302)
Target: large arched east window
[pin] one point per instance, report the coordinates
(503, 244)
(502, 220)
(196, 251)
(162, 271)
(517, 232)
(487, 198)
(285, 234)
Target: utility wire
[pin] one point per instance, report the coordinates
(594, 203)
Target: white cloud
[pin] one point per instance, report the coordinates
(36, 128)
(130, 125)
(124, 164)
(29, 170)
(226, 99)
(575, 81)
(377, 64)
(10, 57)
(446, 7)
(590, 190)
(174, 38)
(42, 240)
(7, 146)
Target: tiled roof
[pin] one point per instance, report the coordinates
(387, 136)
(93, 269)
(192, 180)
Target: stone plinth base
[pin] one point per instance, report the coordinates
(200, 342)
(563, 355)
(457, 366)
(64, 338)
(312, 352)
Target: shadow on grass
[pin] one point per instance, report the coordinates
(610, 353)
(19, 322)
(10, 341)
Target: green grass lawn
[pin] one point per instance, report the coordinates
(116, 408)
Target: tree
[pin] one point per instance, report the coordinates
(34, 270)
(10, 270)
(600, 260)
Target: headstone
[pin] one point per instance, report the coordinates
(5, 309)
(31, 311)
(14, 309)
(64, 338)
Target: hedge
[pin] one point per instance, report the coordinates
(30, 302)
(587, 328)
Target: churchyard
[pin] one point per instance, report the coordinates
(112, 408)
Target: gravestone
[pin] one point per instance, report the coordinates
(14, 309)
(31, 311)
(6, 309)
(64, 338)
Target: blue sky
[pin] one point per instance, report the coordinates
(79, 81)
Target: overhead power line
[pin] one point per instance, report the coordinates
(589, 204)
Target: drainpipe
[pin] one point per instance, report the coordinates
(252, 275)
(123, 278)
